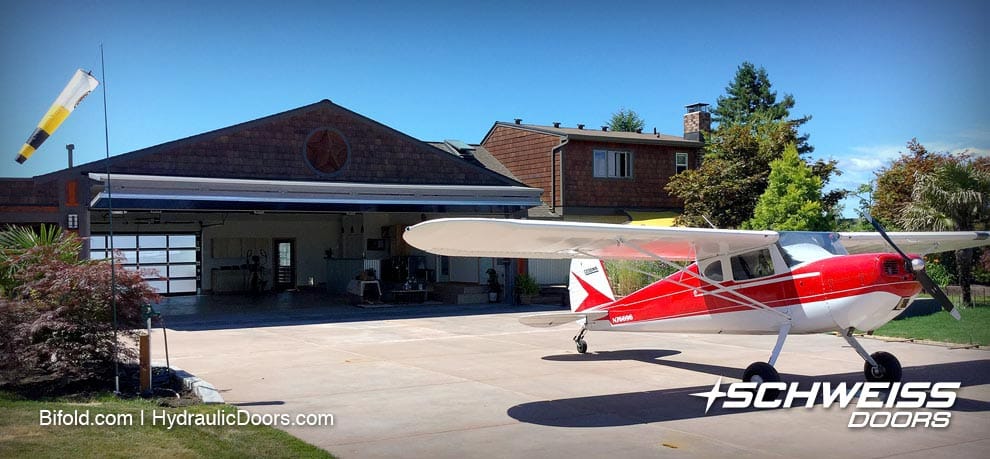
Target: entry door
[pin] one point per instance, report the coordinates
(285, 264)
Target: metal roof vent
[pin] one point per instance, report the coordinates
(580, 126)
(464, 150)
(518, 120)
(556, 124)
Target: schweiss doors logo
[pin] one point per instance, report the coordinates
(890, 405)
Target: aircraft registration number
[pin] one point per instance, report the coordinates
(622, 318)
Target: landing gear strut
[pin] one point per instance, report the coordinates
(764, 372)
(879, 366)
(581, 344)
(761, 372)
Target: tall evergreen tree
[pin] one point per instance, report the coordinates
(626, 120)
(749, 94)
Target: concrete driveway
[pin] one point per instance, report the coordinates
(473, 382)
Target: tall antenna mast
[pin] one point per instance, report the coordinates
(113, 258)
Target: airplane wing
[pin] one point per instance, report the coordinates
(555, 319)
(482, 237)
(919, 243)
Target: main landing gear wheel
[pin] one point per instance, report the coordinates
(762, 372)
(888, 369)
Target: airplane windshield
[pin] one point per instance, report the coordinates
(804, 246)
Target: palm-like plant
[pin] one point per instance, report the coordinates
(21, 247)
(953, 197)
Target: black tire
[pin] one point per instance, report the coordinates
(889, 369)
(582, 346)
(762, 372)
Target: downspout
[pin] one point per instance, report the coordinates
(553, 175)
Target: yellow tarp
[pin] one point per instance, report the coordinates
(660, 219)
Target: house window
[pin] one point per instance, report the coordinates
(613, 164)
(680, 162)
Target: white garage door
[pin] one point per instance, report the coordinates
(170, 262)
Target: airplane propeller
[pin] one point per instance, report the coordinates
(918, 266)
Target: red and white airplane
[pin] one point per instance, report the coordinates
(737, 282)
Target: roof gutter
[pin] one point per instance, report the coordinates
(553, 174)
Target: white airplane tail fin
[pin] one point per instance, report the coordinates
(589, 286)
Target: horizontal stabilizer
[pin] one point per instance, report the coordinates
(555, 319)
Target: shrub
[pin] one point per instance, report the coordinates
(58, 321)
(939, 273)
(526, 285)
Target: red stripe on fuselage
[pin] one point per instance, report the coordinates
(822, 280)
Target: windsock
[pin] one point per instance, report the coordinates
(81, 84)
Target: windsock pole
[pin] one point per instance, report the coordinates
(81, 84)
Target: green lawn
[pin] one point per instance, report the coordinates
(21, 434)
(974, 328)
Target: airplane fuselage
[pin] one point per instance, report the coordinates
(862, 291)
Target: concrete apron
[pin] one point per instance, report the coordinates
(483, 385)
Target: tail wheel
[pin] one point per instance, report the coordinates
(888, 368)
(762, 372)
(582, 346)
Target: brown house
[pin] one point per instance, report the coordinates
(598, 174)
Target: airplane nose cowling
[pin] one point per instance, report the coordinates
(880, 295)
(892, 268)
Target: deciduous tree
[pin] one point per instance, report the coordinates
(734, 172)
(952, 197)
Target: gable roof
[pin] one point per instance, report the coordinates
(599, 135)
(273, 148)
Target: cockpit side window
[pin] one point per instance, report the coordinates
(752, 265)
(714, 271)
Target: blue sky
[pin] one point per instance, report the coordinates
(872, 74)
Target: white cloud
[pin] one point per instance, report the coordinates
(862, 164)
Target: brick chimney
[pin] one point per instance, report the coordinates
(697, 121)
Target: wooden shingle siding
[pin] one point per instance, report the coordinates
(526, 154)
(653, 165)
(273, 148)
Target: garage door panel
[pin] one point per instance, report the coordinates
(168, 262)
